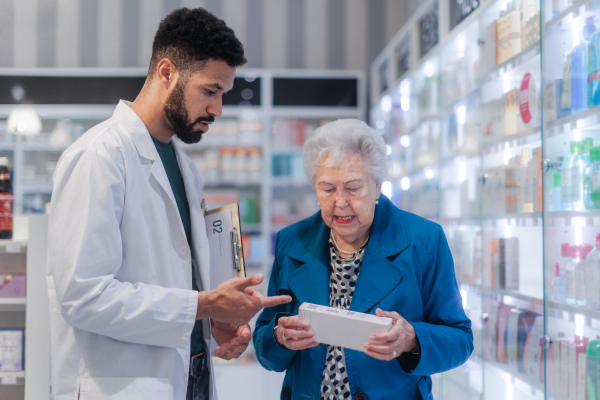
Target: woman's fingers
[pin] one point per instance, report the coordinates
(390, 314)
(293, 322)
(300, 344)
(297, 334)
(381, 348)
(380, 356)
(389, 336)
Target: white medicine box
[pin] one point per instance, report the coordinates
(345, 328)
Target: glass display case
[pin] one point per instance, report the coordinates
(515, 159)
(570, 40)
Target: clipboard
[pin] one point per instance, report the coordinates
(225, 241)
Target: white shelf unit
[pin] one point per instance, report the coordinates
(28, 153)
(28, 250)
(26, 150)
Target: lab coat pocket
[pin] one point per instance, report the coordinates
(125, 388)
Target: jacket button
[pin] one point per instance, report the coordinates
(183, 250)
(360, 396)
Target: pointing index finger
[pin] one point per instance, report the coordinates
(273, 301)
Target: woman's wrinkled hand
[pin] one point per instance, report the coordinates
(399, 339)
(293, 334)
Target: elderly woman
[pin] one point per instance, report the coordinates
(361, 253)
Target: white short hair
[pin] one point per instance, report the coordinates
(337, 140)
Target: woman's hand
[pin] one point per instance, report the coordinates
(399, 339)
(293, 334)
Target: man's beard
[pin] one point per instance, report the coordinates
(178, 116)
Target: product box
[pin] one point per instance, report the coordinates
(505, 263)
(12, 353)
(501, 335)
(582, 377)
(491, 332)
(495, 264)
(345, 328)
(533, 356)
(512, 112)
(535, 172)
(518, 327)
(552, 101)
(576, 349)
(556, 384)
(564, 369)
(508, 36)
(593, 370)
(13, 285)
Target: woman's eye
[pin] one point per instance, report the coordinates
(210, 93)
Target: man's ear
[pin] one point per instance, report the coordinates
(166, 73)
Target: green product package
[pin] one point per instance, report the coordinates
(593, 370)
(587, 143)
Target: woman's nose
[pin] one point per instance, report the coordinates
(341, 202)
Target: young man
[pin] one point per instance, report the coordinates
(128, 251)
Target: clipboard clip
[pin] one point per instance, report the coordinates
(235, 249)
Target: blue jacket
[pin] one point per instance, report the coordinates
(407, 268)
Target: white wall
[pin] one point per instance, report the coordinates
(276, 33)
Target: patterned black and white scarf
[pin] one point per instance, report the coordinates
(342, 282)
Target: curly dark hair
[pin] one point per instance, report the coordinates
(189, 38)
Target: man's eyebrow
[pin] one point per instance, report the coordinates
(215, 85)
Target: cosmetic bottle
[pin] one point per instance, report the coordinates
(579, 67)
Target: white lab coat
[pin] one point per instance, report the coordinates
(119, 274)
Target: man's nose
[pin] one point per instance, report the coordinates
(215, 107)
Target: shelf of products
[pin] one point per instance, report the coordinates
(252, 156)
(508, 101)
(24, 324)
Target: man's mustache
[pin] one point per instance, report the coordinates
(210, 118)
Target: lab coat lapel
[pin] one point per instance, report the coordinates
(193, 190)
(143, 143)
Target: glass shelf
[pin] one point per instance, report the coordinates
(576, 8)
(525, 55)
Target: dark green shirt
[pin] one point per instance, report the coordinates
(169, 160)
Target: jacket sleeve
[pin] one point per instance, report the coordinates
(85, 253)
(445, 334)
(269, 353)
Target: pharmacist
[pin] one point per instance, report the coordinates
(362, 253)
(128, 252)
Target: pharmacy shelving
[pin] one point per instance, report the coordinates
(235, 157)
(517, 180)
(25, 255)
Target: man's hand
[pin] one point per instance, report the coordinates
(232, 339)
(235, 302)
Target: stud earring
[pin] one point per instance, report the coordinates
(319, 204)
(377, 201)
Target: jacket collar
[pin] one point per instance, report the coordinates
(378, 275)
(389, 234)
